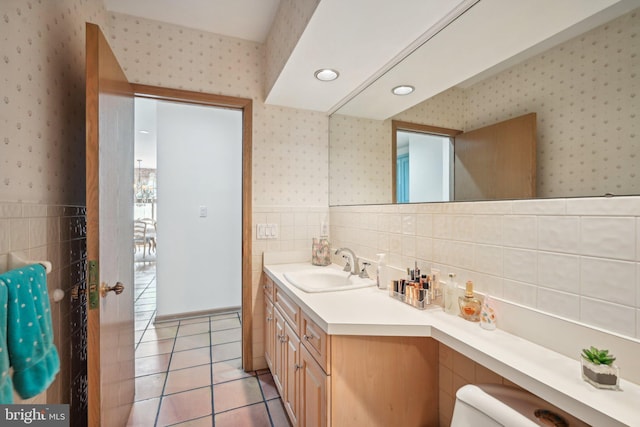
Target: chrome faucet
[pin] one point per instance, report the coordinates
(352, 261)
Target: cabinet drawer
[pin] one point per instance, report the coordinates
(289, 309)
(268, 287)
(317, 342)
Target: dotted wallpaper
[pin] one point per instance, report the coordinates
(360, 152)
(290, 147)
(585, 93)
(42, 101)
(289, 24)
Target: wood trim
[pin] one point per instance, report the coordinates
(416, 127)
(397, 125)
(247, 236)
(193, 315)
(191, 97)
(92, 203)
(246, 105)
(394, 162)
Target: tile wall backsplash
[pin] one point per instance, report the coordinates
(297, 226)
(57, 234)
(574, 258)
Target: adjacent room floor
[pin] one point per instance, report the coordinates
(188, 372)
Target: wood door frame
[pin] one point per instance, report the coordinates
(397, 125)
(246, 106)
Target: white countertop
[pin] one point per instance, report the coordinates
(546, 373)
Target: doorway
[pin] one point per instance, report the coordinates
(422, 163)
(191, 225)
(424, 167)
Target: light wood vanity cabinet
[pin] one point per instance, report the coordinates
(291, 374)
(294, 372)
(340, 380)
(314, 384)
(317, 342)
(269, 332)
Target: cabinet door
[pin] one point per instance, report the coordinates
(269, 333)
(313, 392)
(278, 351)
(291, 374)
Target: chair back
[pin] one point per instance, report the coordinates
(139, 231)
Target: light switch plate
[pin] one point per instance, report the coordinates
(266, 231)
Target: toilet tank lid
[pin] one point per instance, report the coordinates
(509, 405)
(484, 403)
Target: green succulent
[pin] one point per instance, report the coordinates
(598, 357)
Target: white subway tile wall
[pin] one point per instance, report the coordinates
(36, 231)
(297, 225)
(582, 266)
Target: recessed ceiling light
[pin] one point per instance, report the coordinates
(403, 90)
(326, 74)
(144, 131)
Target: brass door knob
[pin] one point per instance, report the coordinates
(118, 288)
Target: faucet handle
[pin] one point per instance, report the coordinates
(363, 273)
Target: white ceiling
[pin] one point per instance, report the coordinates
(358, 38)
(244, 19)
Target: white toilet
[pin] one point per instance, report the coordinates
(491, 405)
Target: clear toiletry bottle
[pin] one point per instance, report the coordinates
(470, 306)
(381, 270)
(451, 296)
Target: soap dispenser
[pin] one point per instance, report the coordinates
(451, 295)
(470, 306)
(381, 272)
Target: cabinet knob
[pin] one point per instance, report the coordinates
(306, 337)
(298, 366)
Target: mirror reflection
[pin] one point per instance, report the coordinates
(584, 95)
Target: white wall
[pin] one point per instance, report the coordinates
(429, 172)
(199, 164)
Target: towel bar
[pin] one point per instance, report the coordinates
(16, 260)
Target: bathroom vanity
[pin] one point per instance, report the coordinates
(358, 357)
(334, 379)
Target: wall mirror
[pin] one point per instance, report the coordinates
(583, 91)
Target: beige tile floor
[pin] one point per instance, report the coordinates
(188, 372)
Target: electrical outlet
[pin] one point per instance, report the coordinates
(324, 228)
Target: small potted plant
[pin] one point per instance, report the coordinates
(598, 368)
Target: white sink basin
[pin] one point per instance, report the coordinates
(324, 279)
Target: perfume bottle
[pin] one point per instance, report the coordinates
(470, 306)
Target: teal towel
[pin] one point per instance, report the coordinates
(32, 354)
(6, 385)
